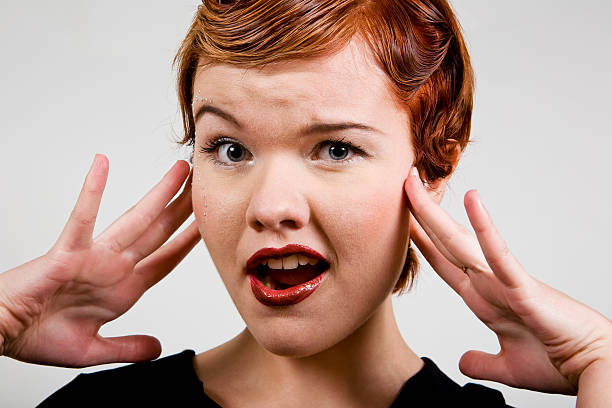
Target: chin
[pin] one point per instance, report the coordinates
(292, 339)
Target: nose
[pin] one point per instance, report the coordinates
(277, 200)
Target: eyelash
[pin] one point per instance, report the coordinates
(212, 145)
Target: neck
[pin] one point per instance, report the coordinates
(373, 361)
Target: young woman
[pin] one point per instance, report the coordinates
(313, 126)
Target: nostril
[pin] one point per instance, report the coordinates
(289, 223)
(259, 225)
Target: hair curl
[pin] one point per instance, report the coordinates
(417, 43)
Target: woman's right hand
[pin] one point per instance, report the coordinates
(51, 308)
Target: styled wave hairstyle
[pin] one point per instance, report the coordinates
(417, 43)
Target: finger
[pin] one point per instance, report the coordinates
(125, 349)
(483, 366)
(80, 225)
(452, 275)
(156, 266)
(451, 239)
(503, 369)
(165, 225)
(124, 231)
(504, 265)
(436, 241)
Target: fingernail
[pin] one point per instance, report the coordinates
(96, 164)
(414, 172)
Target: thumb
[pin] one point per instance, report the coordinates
(483, 366)
(125, 349)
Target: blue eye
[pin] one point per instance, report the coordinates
(235, 152)
(338, 151)
(225, 151)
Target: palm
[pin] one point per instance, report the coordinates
(507, 312)
(543, 339)
(83, 283)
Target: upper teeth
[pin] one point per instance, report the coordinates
(289, 261)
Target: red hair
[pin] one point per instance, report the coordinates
(417, 43)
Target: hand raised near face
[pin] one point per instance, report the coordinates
(548, 340)
(51, 308)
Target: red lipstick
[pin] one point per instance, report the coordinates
(285, 296)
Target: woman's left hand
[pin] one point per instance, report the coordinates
(547, 339)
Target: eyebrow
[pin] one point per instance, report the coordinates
(314, 128)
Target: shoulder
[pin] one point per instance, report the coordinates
(171, 379)
(431, 387)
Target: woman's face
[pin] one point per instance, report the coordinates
(279, 177)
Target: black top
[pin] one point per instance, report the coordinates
(172, 381)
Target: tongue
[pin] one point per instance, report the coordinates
(293, 277)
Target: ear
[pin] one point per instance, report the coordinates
(437, 188)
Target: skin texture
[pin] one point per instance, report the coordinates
(343, 340)
(356, 215)
(288, 189)
(548, 341)
(286, 194)
(52, 307)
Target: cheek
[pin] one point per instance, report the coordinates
(220, 217)
(371, 232)
(378, 218)
(368, 230)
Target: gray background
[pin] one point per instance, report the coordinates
(80, 77)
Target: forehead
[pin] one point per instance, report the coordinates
(348, 83)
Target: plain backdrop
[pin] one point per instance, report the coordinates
(80, 77)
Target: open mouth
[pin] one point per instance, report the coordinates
(285, 276)
(286, 272)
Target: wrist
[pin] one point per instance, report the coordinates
(594, 351)
(594, 384)
(600, 357)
